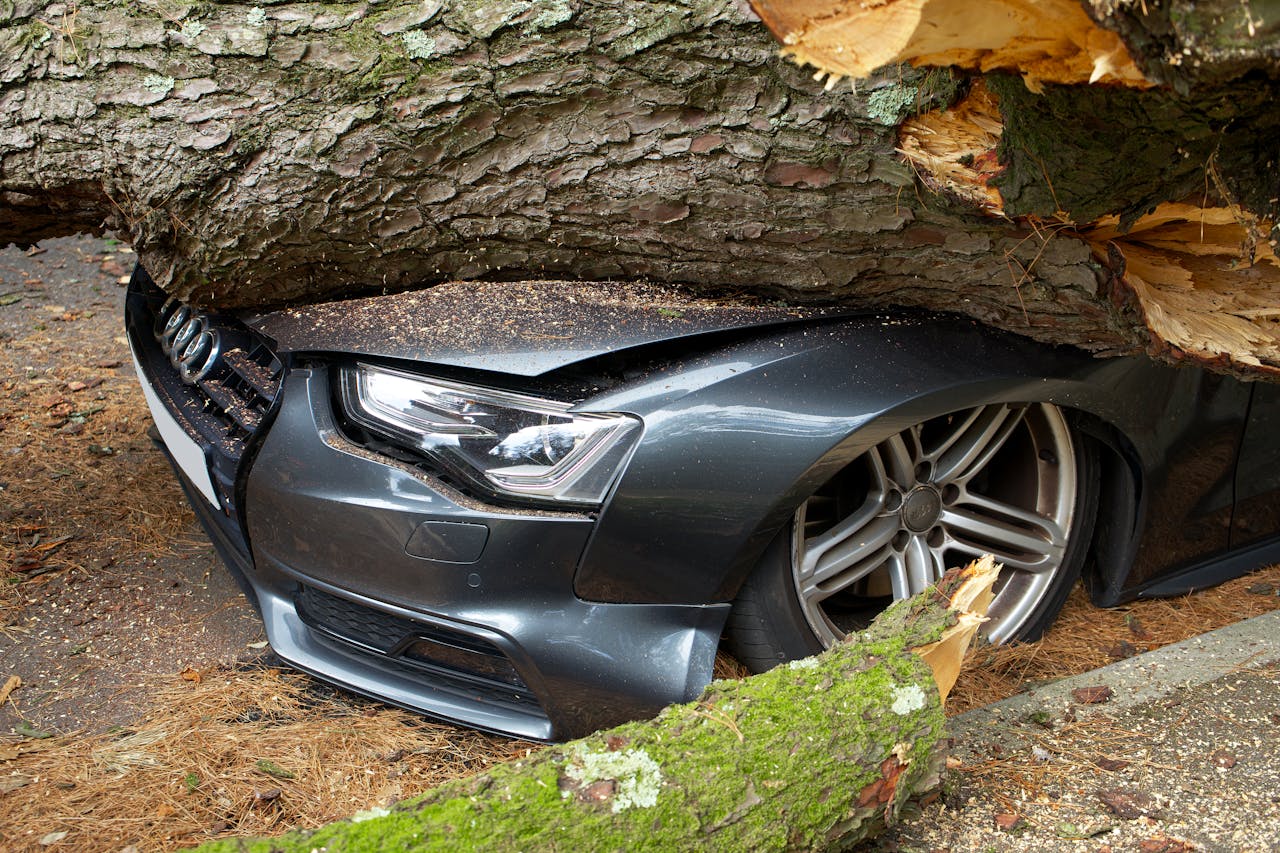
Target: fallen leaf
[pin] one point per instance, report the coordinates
(1262, 589)
(53, 838)
(1111, 765)
(268, 796)
(262, 644)
(165, 810)
(1223, 759)
(9, 751)
(1092, 695)
(10, 298)
(11, 684)
(191, 674)
(15, 781)
(1121, 650)
(1128, 805)
(27, 730)
(1007, 821)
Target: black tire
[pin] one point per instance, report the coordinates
(1024, 477)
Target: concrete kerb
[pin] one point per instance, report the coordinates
(1144, 678)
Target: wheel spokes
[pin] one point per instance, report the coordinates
(970, 483)
(1019, 538)
(973, 443)
(897, 457)
(851, 549)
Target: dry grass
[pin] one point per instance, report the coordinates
(83, 485)
(240, 753)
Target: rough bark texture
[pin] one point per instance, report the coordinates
(816, 755)
(255, 154)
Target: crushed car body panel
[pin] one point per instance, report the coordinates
(519, 328)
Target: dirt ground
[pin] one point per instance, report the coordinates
(110, 579)
(139, 705)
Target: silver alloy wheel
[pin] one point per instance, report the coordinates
(998, 479)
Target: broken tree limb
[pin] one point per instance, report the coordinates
(1175, 189)
(814, 755)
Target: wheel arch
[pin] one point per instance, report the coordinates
(1090, 414)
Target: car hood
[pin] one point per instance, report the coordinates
(521, 328)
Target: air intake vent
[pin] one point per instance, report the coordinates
(472, 664)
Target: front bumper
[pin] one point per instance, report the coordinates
(373, 575)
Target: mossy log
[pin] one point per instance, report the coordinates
(257, 153)
(814, 755)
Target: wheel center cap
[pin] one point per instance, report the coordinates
(921, 510)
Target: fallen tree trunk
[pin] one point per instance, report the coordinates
(259, 154)
(815, 755)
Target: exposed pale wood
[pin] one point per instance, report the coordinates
(1046, 41)
(954, 150)
(1202, 279)
(970, 600)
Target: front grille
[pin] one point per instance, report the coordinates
(462, 662)
(240, 395)
(225, 406)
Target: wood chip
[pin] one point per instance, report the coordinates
(11, 684)
(1092, 695)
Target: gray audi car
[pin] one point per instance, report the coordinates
(541, 508)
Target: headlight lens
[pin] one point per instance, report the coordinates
(505, 443)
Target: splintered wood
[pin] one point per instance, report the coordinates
(954, 150)
(970, 601)
(1204, 278)
(1046, 41)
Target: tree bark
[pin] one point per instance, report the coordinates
(815, 755)
(259, 154)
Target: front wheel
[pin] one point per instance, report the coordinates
(1010, 480)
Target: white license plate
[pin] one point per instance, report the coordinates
(185, 452)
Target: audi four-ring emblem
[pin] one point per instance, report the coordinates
(189, 339)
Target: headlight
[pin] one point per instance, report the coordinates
(505, 443)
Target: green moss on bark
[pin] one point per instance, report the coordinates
(1104, 167)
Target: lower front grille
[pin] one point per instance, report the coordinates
(465, 662)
